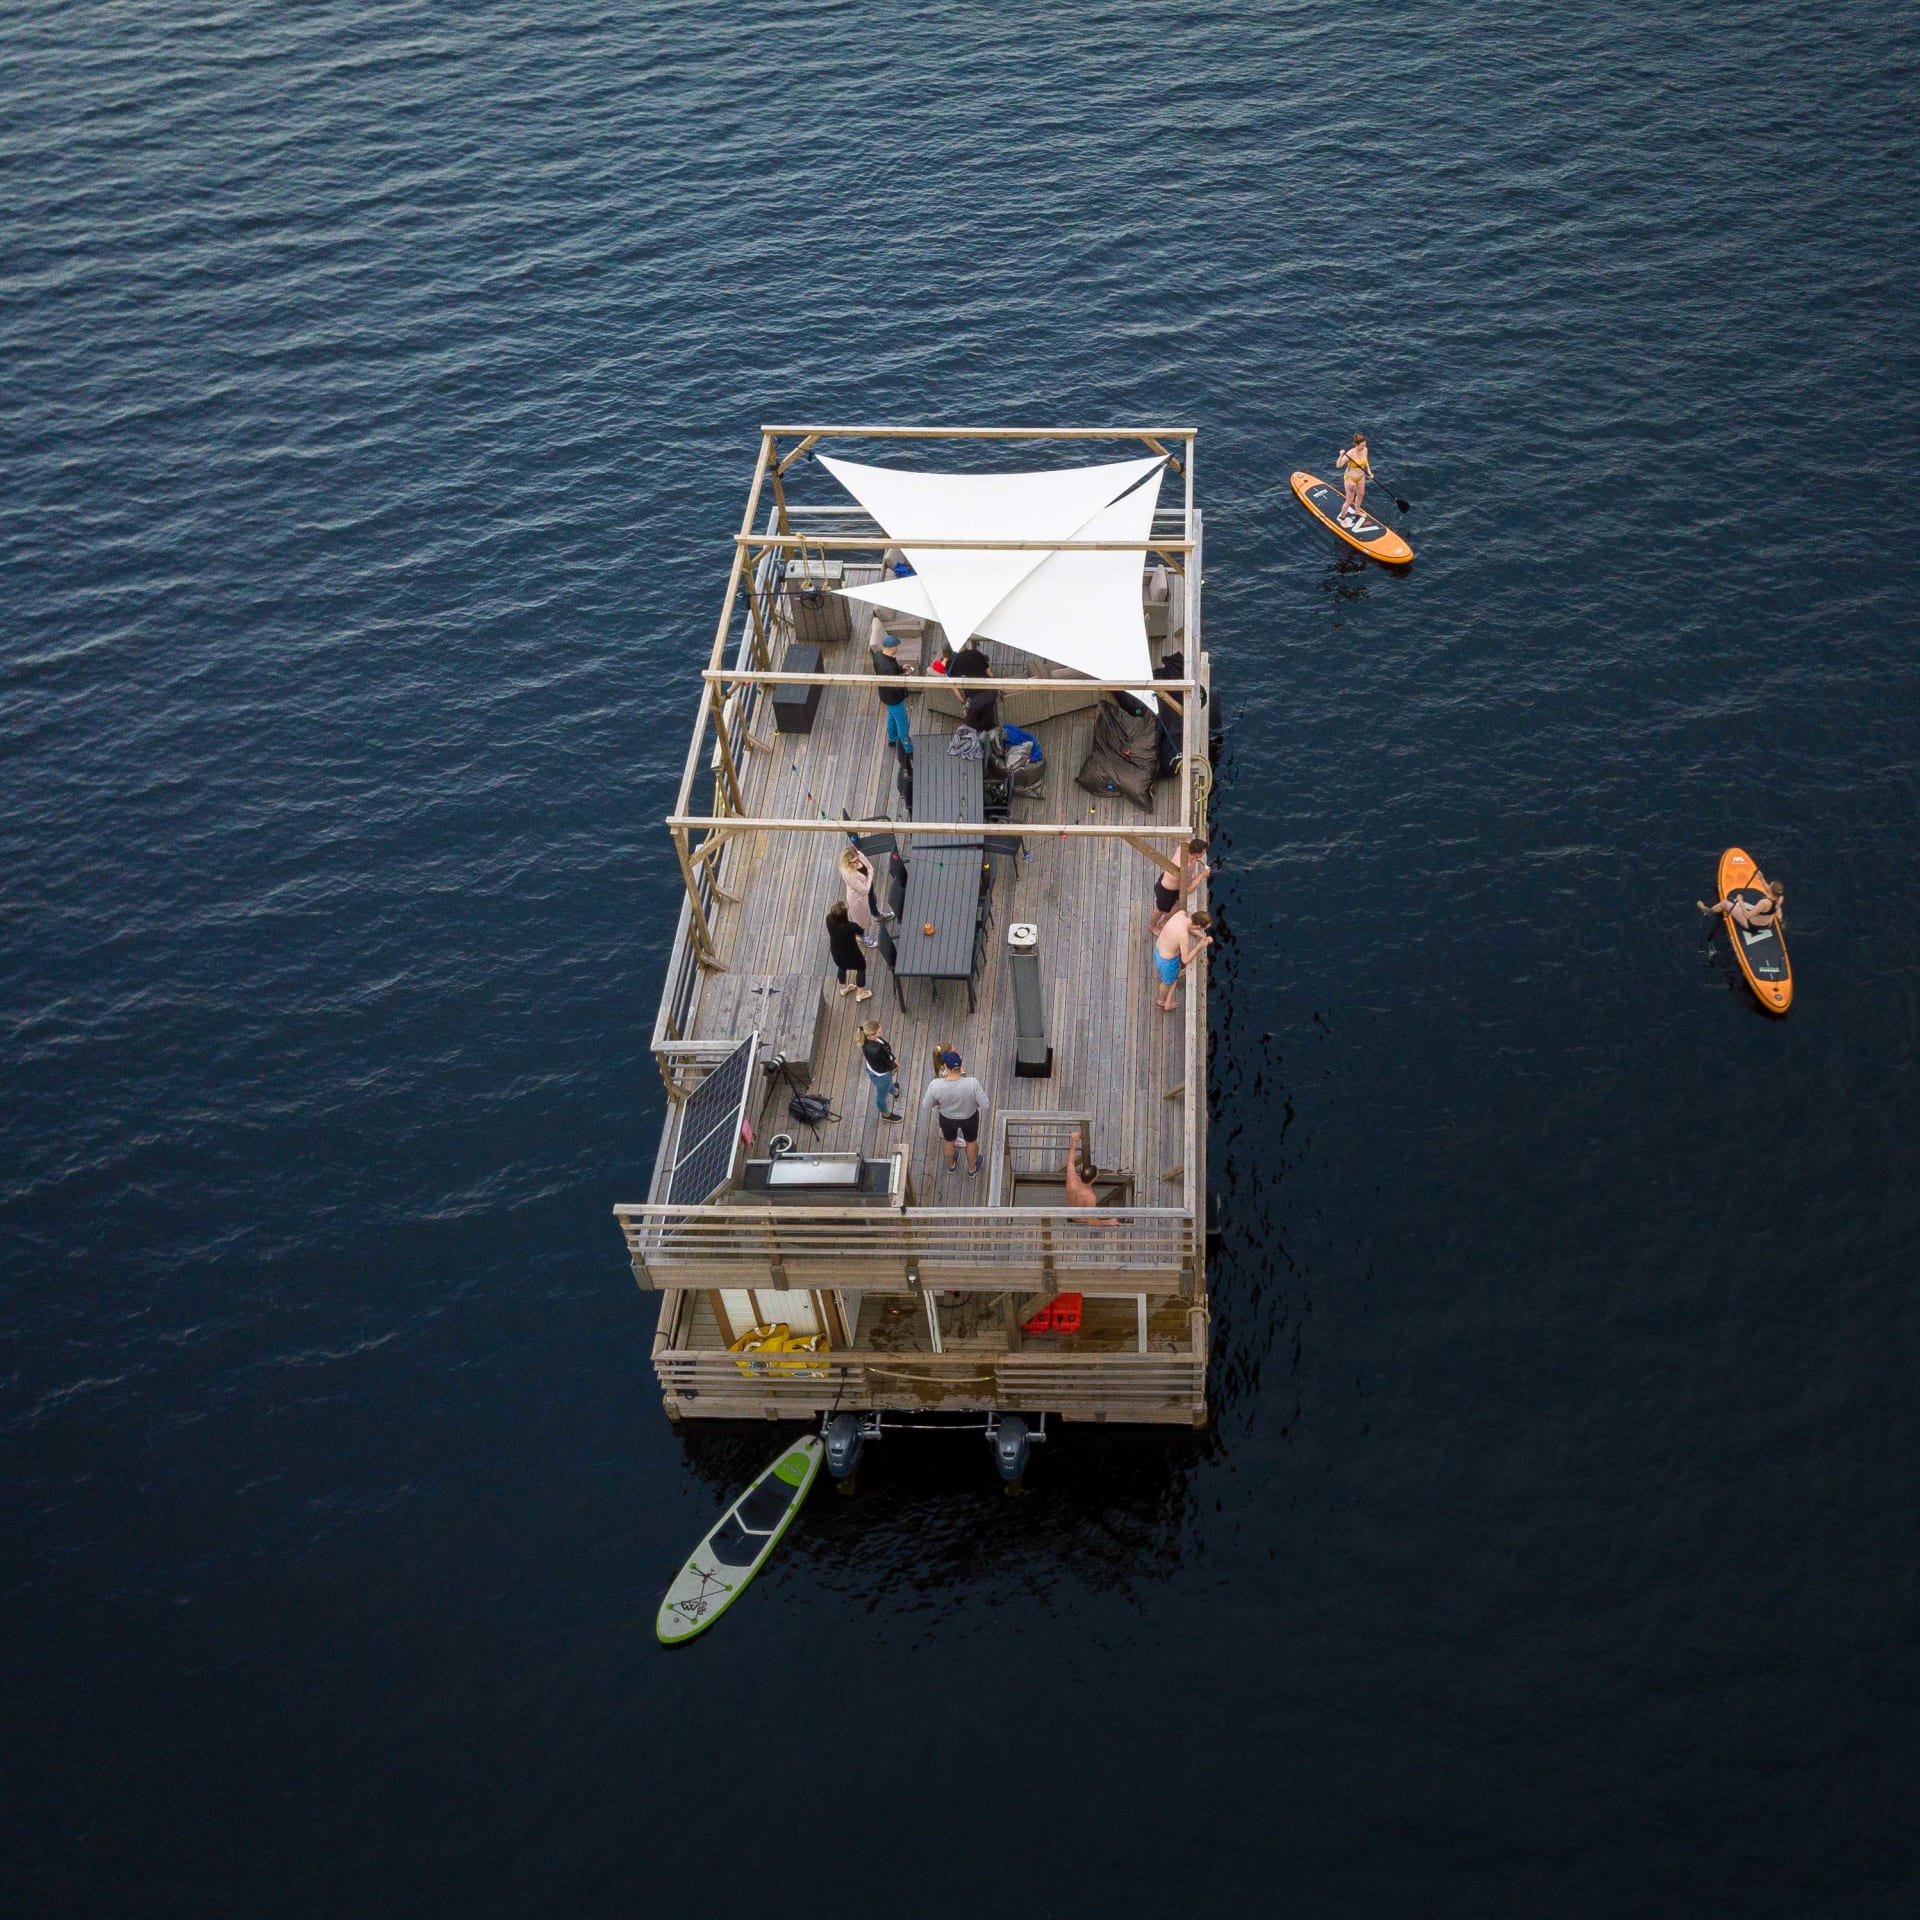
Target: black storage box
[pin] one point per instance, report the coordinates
(794, 707)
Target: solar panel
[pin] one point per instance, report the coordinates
(710, 1128)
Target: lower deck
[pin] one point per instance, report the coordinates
(974, 1324)
(1099, 1373)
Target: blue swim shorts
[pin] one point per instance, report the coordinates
(1169, 970)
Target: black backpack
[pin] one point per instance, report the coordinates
(810, 1109)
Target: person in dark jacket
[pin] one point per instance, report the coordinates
(843, 938)
(893, 700)
(882, 1067)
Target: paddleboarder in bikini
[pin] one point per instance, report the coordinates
(1358, 472)
(1754, 915)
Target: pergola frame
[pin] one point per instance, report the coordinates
(723, 683)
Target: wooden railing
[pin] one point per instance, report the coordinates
(981, 1249)
(738, 716)
(1153, 1387)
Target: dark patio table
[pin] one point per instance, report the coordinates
(945, 787)
(943, 870)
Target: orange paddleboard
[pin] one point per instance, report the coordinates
(1761, 951)
(1369, 534)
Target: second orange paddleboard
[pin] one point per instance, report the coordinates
(1370, 535)
(1761, 951)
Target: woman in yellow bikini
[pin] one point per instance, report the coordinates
(1358, 473)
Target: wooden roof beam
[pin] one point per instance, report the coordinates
(933, 682)
(972, 829)
(1188, 434)
(867, 543)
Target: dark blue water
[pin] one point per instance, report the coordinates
(378, 387)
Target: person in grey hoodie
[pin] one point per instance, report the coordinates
(959, 1099)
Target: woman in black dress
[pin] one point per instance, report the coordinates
(843, 937)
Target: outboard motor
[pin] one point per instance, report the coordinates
(1012, 1447)
(844, 1444)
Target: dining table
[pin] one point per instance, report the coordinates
(944, 871)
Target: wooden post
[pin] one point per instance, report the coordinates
(800, 452)
(712, 845)
(708, 852)
(696, 915)
(1172, 460)
(1173, 866)
(727, 767)
(763, 645)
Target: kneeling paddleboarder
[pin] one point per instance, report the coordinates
(1753, 908)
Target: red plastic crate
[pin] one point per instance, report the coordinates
(1061, 1316)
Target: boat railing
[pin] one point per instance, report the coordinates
(970, 1249)
(735, 723)
(1163, 1387)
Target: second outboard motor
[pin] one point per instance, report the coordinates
(1012, 1448)
(844, 1444)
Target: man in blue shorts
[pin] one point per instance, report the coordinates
(1174, 947)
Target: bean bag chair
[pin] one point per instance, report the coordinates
(1124, 754)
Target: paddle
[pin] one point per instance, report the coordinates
(1405, 506)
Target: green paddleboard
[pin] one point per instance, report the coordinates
(719, 1568)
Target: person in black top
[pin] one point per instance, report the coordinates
(843, 937)
(893, 700)
(881, 1068)
(983, 704)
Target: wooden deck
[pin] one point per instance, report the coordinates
(1115, 1055)
(927, 1305)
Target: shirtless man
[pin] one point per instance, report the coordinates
(1080, 1191)
(1177, 945)
(1171, 890)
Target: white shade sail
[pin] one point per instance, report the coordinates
(901, 595)
(1080, 609)
(1085, 610)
